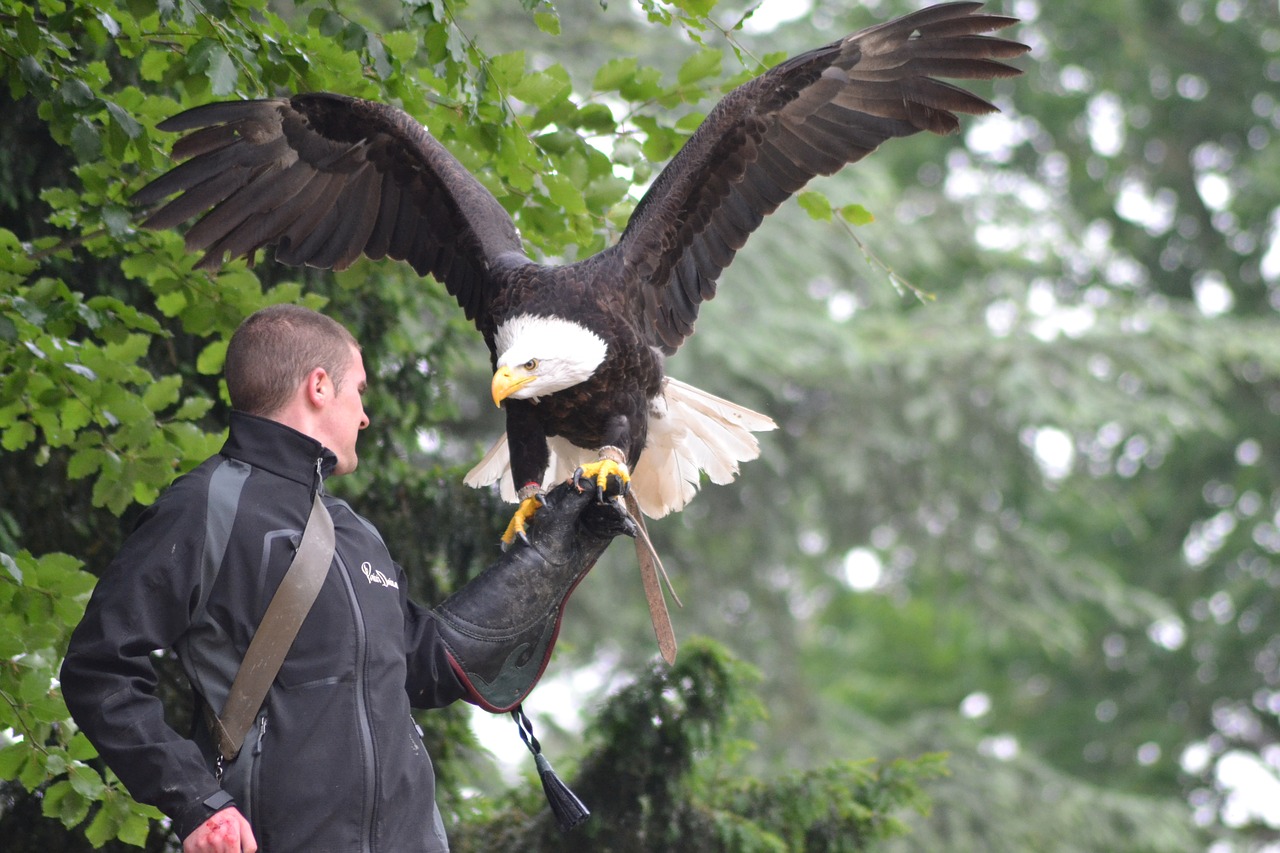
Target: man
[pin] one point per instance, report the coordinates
(333, 760)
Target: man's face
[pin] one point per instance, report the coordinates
(345, 417)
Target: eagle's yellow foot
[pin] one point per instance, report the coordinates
(520, 520)
(611, 464)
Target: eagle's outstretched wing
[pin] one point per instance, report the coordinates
(325, 179)
(808, 116)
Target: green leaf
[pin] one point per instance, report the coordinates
(63, 801)
(541, 87)
(597, 118)
(34, 683)
(18, 436)
(222, 71)
(51, 803)
(13, 758)
(86, 781)
(155, 64)
(817, 205)
(31, 773)
(377, 53)
(163, 393)
(85, 462)
(138, 266)
(700, 8)
(615, 73)
(689, 122)
(29, 35)
(211, 358)
(33, 74)
(57, 563)
(507, 68)
(129, 350)
(13, 256)
(126, 314)
(86, 140)
(135, 828)
(118, 220)
(121, 118)
(193, 408)
(565, 193)
(701, 65)
(644, 85)
(548, 22)
(76, 93)
(172, 303)
(80, 749)
(15, 572)
(105, 825)
(856, 214)
(75, 415)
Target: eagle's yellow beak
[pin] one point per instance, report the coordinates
(508, 380)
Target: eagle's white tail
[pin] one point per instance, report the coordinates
(690, 431)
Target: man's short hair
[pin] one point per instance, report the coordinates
(274, 350)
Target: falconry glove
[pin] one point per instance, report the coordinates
(500, 628)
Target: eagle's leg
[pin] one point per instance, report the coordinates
(530, 502)
(612, 463)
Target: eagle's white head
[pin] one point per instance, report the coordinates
(538, 356)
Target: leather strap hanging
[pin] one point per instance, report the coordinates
(650, 567)
(289, 606)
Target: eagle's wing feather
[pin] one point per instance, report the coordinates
(809, 116)
(325, 179)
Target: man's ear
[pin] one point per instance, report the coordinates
(319, 387)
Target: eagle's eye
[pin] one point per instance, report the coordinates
(531, 364)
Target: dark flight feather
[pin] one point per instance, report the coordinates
(810, 116)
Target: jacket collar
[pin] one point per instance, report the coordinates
(277, 448)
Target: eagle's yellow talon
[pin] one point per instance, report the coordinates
(519, 520)
(600, 472)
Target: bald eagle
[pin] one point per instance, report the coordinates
(577, 350)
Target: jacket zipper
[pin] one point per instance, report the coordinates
(362, 714)
(362, 704)
(255, 765)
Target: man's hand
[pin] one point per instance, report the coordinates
(226, 832)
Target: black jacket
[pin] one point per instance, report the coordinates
(335, 762)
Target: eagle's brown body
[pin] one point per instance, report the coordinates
(609, 408)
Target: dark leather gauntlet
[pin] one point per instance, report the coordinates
(500, 628)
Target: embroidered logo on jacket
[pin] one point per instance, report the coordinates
(375, 576)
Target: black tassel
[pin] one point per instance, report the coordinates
(569, 811)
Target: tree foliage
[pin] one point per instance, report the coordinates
(653, 784)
